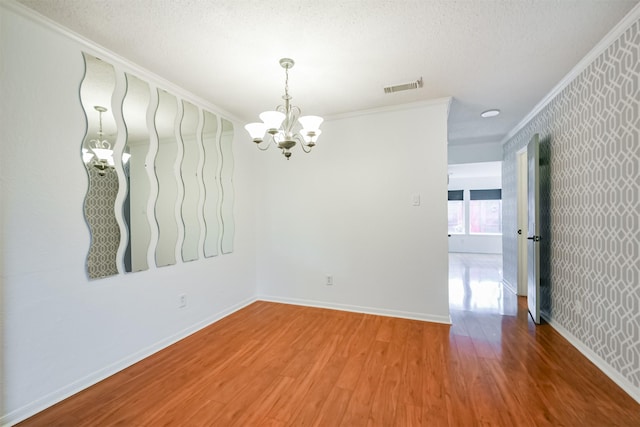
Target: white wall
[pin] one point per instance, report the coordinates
(63, 332)
(346, 210)
(469, 243)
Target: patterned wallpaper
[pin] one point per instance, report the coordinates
(105, 232)
(591, 133)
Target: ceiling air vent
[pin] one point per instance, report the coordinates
(404, 86)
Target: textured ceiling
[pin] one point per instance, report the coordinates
(485, 54)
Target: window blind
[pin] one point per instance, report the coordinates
(456, 194)
(493, 194)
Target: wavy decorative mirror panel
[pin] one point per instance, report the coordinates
(135, 107)
(151, 156)
(96, 91)
(191, 178)
(165, 168)
(226, 179)
(211, 210)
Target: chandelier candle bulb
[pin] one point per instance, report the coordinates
(257, 131)
(102, 153)
(311, 122)
(310, 136)
(284, 127)
(272, 120)
(86, 155)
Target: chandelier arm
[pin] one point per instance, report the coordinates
(267, 146)
(304, 149)
(302, 143)
(295, 114)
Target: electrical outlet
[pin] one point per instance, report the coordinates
(182, 300)
(578, 306)
(329, 280)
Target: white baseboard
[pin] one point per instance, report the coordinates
(358, 309)
(62, 393)
(600, 363)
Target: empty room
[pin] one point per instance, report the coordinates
(330, 213)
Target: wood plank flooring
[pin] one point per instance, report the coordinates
(283, 365)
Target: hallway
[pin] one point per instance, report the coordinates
(532, 370)
(475, 284)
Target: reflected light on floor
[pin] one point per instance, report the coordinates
(475, 284)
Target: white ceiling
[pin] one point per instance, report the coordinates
(475, 170)
(485, 54)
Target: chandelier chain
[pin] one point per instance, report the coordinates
(101, 142)
(100, 128)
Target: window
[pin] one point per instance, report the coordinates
(456, 212)
(485, 212)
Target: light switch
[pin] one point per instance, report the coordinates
(415, 199)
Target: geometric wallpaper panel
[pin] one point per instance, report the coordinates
(592, 132)
(100, 214)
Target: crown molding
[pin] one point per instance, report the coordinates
(617, 31)
(103, 53)
(400, 107)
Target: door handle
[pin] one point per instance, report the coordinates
(534, 238)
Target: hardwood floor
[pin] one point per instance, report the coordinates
(283, 365)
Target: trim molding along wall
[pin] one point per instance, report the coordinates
(107, 55)
(591, 128)
(95, 377)
(358, 309)
(593, 54)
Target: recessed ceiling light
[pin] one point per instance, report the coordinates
(490, 113)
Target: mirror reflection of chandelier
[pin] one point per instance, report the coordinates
(284, 127)
(99, 154)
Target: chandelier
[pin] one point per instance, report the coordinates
(284, 127)
(99, 154)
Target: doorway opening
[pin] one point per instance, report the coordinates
(475, 240)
